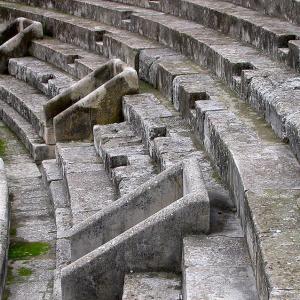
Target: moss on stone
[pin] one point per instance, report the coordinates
(2, 147)
(10, 276)
(13, 232)
(26, 250)
(24, 272)
(6, 294)
(216, 176)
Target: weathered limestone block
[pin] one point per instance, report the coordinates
(141, 230)
(4, 225)
(262, 178)
(275, 94)
(95, 99)
(288, 9)
(294, 54)
(217, 267)
(15, 39)
(152, 285)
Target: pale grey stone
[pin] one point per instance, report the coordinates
(160, 286)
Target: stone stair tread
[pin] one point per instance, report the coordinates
(139, 170)
(26, 133)
(170, 150)
(28, 102)
(276, 26)
(223, 252)
(50, 171)
(152, 285)
(42, 75)
(89, 187)
(73, 23)
(124, 155)
(225, 261)
(209, 36)
(226, 47)
(252, 16)
(28, 97)
(66, 56)
(269, 34)
(286, 10)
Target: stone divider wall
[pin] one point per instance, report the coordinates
(4, 225)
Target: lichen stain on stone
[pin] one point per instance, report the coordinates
(26, 250)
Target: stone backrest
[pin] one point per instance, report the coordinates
(95, 99)
(15, 39)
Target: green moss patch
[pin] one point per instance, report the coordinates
(6, 294)
(24, 272)
(2, 147)
(10, 276)
(13, 232)
(26, 250)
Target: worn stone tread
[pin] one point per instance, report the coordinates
(41, 75)
(155, 285)
(280, 9)
(31, 221)
(26, 133)
(124, 156)
(88, 186)
(73, 59)
(28, 102)
(242, 57)
(217, 268)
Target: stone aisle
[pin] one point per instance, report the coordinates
(33, 231)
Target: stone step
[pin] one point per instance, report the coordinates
(70, 58)
(50, 171)
(125, 158)
(161, 67)
(31, 227)
(166, 136)
(288, 10)
(164, 133)
(285, 11)
(88, 186)
(184, 29)
(26, 133)
(107, 12)
(154, 285)
(28, 102)
(127, 47)
(240, 156)
(84, 33)
(53, 180)
(217, 267)
(263, 32)
(148, 226)
(240, 77)
(41, 75)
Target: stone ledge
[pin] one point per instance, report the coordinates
(254, 172)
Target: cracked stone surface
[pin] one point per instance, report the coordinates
(29, 277)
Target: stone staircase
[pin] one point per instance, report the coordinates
(142, 213)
